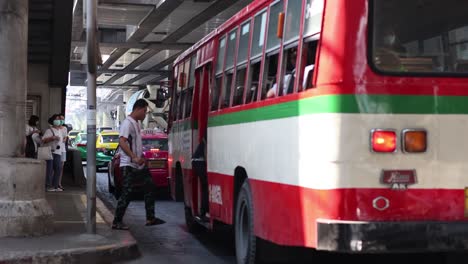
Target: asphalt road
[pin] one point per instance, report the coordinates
(171, 243)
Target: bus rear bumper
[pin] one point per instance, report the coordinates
(380, 237)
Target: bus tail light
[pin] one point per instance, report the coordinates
(383, 140)
(414, 141)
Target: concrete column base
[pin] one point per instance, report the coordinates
(24, 210)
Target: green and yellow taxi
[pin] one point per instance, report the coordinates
(106, 143)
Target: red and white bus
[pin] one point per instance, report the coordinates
(337, 125)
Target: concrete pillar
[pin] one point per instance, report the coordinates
(23, 208)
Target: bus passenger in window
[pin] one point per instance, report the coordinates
(290, 75)
(389, 51)
(310, 52)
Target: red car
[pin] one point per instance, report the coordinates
(155, 151)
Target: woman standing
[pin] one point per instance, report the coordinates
(33, 137)
(63, 147)
(53, 138)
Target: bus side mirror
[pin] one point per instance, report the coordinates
(161, 97)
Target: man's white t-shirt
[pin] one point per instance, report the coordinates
(130, 127)
(54, 144)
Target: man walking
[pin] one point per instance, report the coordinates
(133, 166)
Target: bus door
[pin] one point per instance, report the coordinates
(199, 182)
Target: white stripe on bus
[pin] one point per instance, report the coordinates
(331, 151)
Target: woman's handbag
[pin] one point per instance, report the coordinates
(44, 153)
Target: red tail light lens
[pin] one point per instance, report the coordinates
(383, 141)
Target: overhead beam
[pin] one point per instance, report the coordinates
(200, 19)
(159, 72)
(120, 74)
(113, 79)
(153, 19)
(120, 87)
(123, 72)
(130, 2)
(157, 80)
(114, 57)
(139, 77)
(147, 55)
(165, 62)
(141, 45)
(153, 70)
(77, 67)
(142, 74)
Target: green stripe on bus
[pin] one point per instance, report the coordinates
(351, 104)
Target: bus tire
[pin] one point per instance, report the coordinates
(245, 239)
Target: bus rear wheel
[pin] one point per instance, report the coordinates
(245, 239)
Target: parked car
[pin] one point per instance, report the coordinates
(80, 144)
(155, 151)
(101, 129)
(106, 144)
(72, 136)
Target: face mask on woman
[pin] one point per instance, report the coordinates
(62, 122)
(57, 122)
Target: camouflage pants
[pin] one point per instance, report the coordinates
(129, 176)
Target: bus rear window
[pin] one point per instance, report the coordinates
(420, 37)
(110, 138)
(158, 143)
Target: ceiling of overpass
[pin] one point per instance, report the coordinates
(139, 39)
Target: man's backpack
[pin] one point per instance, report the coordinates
(30, 150)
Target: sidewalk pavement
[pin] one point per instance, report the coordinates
(69, 243)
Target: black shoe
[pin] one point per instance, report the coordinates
(119, 226)
(154, 221)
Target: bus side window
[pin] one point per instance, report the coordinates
(239, 86)
(219, 74)
(241, 69)
(227, 89)
(254, 78)
(288, 70)
(188, 103)
(310, 50)
(180, 110)
(176, 106)
(215, 93)
(257, 45)
(269, 76)
(191, 85)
